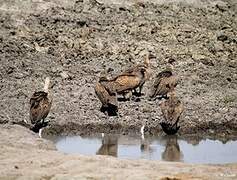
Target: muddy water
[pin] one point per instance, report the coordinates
(167, 148)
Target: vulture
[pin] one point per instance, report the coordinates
(106, 96)
(123, 83)
(40, 104)
(129, 81)
(136, 70)
(171, 109)
(165, 82)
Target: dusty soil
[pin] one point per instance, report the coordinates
(73, 41)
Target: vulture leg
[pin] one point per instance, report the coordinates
(140, 90)
(134, 92)
(38, 125)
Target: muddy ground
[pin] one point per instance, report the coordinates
(73, 41)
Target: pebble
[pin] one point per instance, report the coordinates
(64, 75)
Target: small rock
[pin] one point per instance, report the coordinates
(207, 62)
(218, 46)
(228, 79)
(110, 70)
(171, 60)
(10, 70)
(223, 110)
(198, 56)
(221, 6)
(211, 131)
(222, 37)
(233, 64)
(40, 49)
(51, 50)
(64, 75)
(19, 75)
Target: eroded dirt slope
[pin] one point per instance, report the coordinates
(72, 42)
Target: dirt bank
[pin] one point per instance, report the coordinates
(72, 42)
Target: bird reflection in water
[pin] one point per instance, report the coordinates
(172, 151)
(145, 143)
(146, 148)
(109, 145)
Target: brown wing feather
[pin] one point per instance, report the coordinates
(101, 93)
(178, 111)
(156, 87)
(165, 73)
(36, 98)
(109, 86)
(126, 82)
(159, 87)
(163, 85)
(46, 108)
(164, 109)
(104, 96)
(171, 110)
(40, 106)
(172, 81)
(113, 100)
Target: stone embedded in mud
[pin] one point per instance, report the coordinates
(222, 37)
(64, 75)
(10, 70)
(233, 64)
(198, 56)
(222, 6)
(207, 62)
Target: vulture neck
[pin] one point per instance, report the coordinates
(46, 85)
(147, 60)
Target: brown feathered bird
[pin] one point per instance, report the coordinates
(171, 109)
(165, 82)
(123, 83)
(40, 105)
(136, 70)
(128, 81)
(106, 96)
